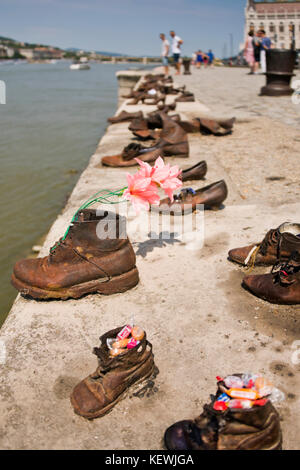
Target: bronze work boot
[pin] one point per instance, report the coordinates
(257, 428)
(196, 172)
(278, 245)
(144, 128)
(95, 257)
(280, 287)
(173, 142)
(125, 117)
(96, 395)
(211, 197)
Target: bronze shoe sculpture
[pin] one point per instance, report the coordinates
(143, 128)
(208, 126)
(216, 127)
(125, 117)
(278, 245)
(196, 172)
(165, 108)
(211, 197)
(173, 141)
(96, 395)
(257, 428)
(281, 287)
(95, 257)
(185, 97)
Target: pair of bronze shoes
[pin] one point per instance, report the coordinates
(280, 249)
(257, 428)
(217, 127)
(210, 197)
(172, 142)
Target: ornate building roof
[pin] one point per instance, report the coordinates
(275, 6)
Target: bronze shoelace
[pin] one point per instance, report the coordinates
(284, 270)
(272, 238)
(64, 243)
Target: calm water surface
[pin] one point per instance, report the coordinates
(50, 126)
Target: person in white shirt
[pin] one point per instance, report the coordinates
(165, 53)
(176, 50)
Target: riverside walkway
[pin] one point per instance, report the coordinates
(200, 321)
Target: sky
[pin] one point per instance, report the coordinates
(126, 26)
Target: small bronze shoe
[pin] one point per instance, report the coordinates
(281, 287)
(185, 97)
(211, 197)
(257, 428)
(216, 127)
(196, 172)
(125, 117)
(278, 245)
(96, 395)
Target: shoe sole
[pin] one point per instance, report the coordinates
(115, 285)
(241, 263)
(134, 163)
(214, 208)
(123, 395)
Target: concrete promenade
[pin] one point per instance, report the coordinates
(200, 321)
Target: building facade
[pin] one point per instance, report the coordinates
(6, 52)
(276, 17)
(41, 53)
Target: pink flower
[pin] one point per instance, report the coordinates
(163, 175)
(146, 169)
(141, 191)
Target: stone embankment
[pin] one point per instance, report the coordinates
(189, 299)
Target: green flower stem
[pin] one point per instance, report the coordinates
(105, 198)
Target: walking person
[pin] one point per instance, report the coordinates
(176, 50)
(265, 45)
(211, 58)
(199, 59)
(165, 53)
(249, 52)
(256, 45)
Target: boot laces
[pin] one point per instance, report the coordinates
(283, 271)
(61, 243)
(270, 239)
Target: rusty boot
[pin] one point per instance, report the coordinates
(278, 245)
(257, 428)
(96, 395)
(280, 287)
(95, 257)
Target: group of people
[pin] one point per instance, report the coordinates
(201, 58)
(174, 48)
(257, 43)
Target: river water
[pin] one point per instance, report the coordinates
(49, 127)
